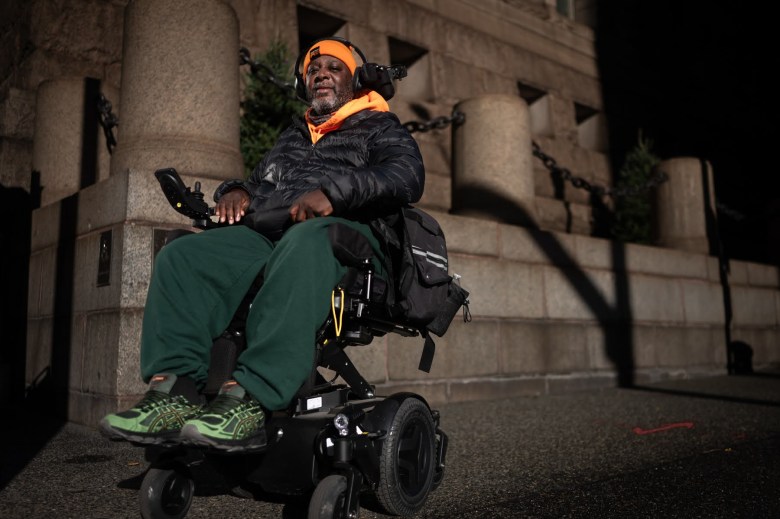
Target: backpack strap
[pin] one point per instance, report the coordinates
(429, 349)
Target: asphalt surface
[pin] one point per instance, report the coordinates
(707, 447)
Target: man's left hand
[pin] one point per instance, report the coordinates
(310, 205)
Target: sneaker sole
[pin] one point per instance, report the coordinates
(169, 438)
(190, 435)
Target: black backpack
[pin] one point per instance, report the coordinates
(425, 294)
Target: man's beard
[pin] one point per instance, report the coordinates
(322, 106)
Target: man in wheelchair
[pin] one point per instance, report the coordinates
(347, 162)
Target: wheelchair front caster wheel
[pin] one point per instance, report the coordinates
(166, 493)
(329, 498)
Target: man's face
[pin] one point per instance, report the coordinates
(328, 84)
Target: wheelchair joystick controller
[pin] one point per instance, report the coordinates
(184, 200)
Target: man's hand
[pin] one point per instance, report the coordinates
(310, 205)
(232, 206)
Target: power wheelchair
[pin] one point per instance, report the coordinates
(337, 439)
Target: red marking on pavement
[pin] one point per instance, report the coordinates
(686, 425)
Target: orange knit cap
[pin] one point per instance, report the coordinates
(330, 48)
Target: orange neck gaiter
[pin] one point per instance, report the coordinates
(370, 101)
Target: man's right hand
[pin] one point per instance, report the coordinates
(232, 206)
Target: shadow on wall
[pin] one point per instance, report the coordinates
(740, 356)
(616, 320)
(48, 393)
(37, 412)
(50, 388)
(14, 266)
(23, 433)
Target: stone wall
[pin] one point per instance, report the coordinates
(554, 308)
(473, 48)
(81, 328)
(555, 312)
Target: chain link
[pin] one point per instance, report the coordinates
(659, 177)
(437, 123)
(264, 73)
(108, 121)
(729, 212)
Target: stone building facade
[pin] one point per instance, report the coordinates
(554, 307)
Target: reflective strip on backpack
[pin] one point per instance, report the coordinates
(430, 257)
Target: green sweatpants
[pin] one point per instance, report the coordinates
(198, 282)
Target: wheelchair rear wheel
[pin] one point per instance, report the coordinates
(407, 462)
(166, 493)
(328, 499)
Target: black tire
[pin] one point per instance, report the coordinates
(408, 460)
(329, 498)
(166, 493)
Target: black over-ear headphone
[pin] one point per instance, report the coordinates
(367, 76)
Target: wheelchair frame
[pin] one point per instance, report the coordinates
(391, 446)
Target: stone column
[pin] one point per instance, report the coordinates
(685, 205)
(91, 254)
(492, 160)
(69, 148)
(180, 92)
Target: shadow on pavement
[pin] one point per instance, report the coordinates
(766, 375)
(24, 435)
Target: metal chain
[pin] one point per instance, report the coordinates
(108, 121)
(659, 177)
(729, 212)
(264, 73)
(437, 123)
(261, 71)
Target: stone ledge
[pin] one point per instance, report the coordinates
(763, 275)
(556, 385)
(89, 408)
(754, 306)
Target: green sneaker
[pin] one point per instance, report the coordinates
(233, 422)
(155, 420)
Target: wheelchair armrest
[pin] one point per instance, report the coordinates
(183, 200)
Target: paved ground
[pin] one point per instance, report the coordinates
(694, 448)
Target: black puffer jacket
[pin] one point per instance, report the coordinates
(369, 167)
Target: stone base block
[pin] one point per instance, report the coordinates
(579, 382)
(88, 408)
